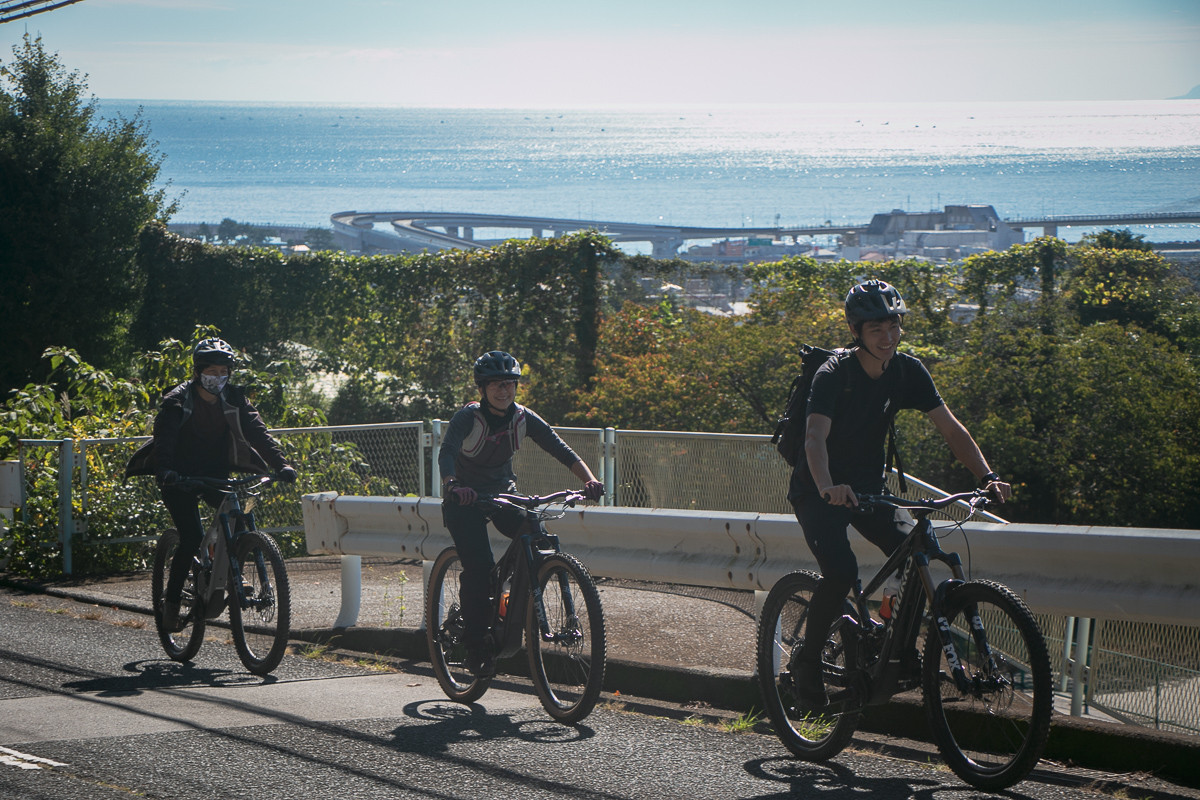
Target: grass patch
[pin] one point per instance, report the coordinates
(313, 651)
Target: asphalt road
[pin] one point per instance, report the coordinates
(90, 708)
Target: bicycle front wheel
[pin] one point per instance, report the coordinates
(567, 664)
(810, 735)
(445, 631)
(263, 619)
(179, 645)
(992, 728)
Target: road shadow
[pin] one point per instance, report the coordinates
(806, 778)
(153, 674)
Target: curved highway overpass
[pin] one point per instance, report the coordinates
(417, 231)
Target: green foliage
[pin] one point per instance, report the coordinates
(1123, 239)
(1099, 428)
(81, 402)
(74, 191)
(405, 330)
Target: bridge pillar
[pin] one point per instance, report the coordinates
(1050, 230)
(665, 248)
(468, 234)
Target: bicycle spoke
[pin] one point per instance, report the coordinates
(184, 644)
(446, 633)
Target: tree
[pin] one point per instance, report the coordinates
(74, 192)
(1124, 239)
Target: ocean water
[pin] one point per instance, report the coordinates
(727, 166)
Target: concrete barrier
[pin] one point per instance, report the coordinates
(1144, 575)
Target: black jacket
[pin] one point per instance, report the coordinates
(251, 447)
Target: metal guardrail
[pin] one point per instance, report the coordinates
(1106, 641)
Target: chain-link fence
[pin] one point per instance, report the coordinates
(539, 473)
(1147, 673)
(77, 506)
(700, 471)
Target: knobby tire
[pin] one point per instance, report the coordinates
(812, 736)
(568, 669)
(992, 735)
(260, 627)
(445, 631)
(185, 644)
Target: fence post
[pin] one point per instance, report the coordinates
(351, 592)
(66, 515)
(1064, 678)
(436, 472)
(608, 465)
(1083, 632)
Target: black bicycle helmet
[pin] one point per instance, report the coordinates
(496, 366)
(873, 300)
(212, 351)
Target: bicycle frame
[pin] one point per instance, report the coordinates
(521, 561)
(216, 556)
(879, 646)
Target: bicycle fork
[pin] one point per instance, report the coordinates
(965, 683)
(570, 632)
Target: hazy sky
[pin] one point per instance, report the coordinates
(533, 53)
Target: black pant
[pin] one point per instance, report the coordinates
(468, 528)
(825, 531)
(184, 507)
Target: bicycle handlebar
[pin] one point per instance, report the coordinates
(867, 503)
(224, 484)
(568, 497)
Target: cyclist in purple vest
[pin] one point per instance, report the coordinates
(476, 459)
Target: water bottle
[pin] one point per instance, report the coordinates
(890, 604)
(504, 592)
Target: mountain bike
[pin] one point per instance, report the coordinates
(984, 670)
(237, 566)
(538, 590)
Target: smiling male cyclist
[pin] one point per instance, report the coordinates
(476, 459)
(850, 408)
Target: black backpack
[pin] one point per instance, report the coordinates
(789, 430)
(791, 427)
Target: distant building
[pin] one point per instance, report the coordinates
(953, 233)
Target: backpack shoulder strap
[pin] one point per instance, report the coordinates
(518, 427)
(473, 442)
(893, 455)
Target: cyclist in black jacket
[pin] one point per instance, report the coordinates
(476, 459)
(206, 428)
(850, 407)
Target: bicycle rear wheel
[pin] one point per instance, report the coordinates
(568, 667)
(993, 732)
(262, 621)
(445, 631)
(810, 735)
(179, 645)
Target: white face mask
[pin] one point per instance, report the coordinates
(214, 384)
